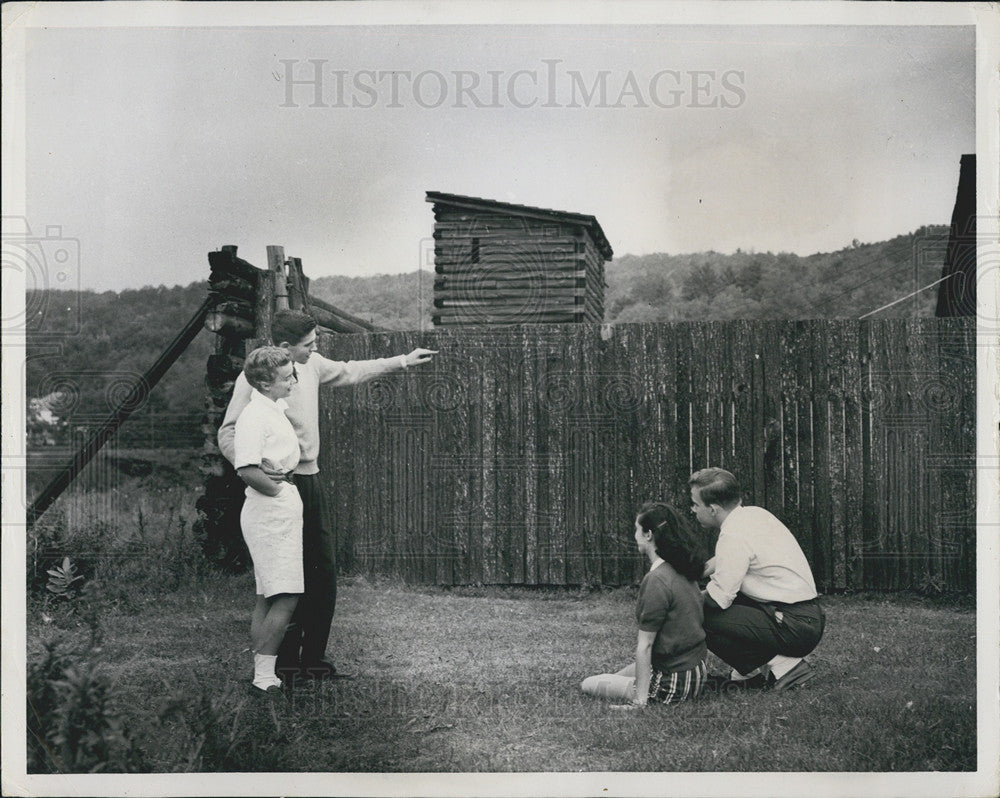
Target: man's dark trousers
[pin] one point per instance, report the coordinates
(749, 633)
(305, 642)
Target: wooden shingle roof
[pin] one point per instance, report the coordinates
(589, 223)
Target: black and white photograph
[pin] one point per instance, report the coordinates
(501, 398)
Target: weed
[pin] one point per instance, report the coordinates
(151, 547)
(63, 579)
(43, 548)
(73, 726)
(231, 732)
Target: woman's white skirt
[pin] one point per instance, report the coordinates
(272, 529)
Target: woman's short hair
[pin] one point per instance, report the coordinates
(716, 486)
(261, 366)
(291, 326)
(675, 540)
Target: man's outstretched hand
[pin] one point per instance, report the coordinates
(418, 356)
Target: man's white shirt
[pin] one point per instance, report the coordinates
(757, 555)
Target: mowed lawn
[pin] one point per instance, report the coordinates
(487, 679)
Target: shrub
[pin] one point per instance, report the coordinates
(72, 724)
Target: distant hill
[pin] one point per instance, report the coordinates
(83, 343)
(91, 347)
(707, 285)
(753, 285)
(391, 301)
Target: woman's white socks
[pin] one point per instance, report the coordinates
(263, 671)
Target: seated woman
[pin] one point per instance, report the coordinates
(670, 652)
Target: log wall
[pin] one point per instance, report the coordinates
(492, 268)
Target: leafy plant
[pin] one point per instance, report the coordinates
(63, 579)
(88, 735)
(43, 706)
(73, 726)
(43, 543)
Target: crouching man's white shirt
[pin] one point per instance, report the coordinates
(757, 555)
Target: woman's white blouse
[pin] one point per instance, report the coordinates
(264, 436)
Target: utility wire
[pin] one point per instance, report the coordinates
(897, 301)
(878, 276)
(868, 263)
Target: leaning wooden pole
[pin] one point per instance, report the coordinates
(135, 399)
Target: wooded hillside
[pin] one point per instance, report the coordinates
(92, 347)
(708, 285)
(89, 345)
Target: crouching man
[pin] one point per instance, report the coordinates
(761, 612)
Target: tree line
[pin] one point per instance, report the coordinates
(86, 346)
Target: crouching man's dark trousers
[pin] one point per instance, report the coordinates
(749, 633)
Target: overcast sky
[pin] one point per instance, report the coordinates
(153, 146)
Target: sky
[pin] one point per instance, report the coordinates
(148, 147)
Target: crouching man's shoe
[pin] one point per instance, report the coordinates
(796, 677)
(716, 683)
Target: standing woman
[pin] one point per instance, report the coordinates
(670, 651)
(266, 453)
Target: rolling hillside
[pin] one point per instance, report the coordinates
(707, 285)
(85, 344)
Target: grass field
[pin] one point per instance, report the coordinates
(487, 680)
(471, 679)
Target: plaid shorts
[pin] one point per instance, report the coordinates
(672, 688)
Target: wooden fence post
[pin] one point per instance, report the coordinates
(276, 265)
(298, 286)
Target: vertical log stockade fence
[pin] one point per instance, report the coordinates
(521, 453)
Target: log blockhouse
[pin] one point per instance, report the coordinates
(498, 263)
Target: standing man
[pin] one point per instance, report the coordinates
(761, 613)
(304, 646)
